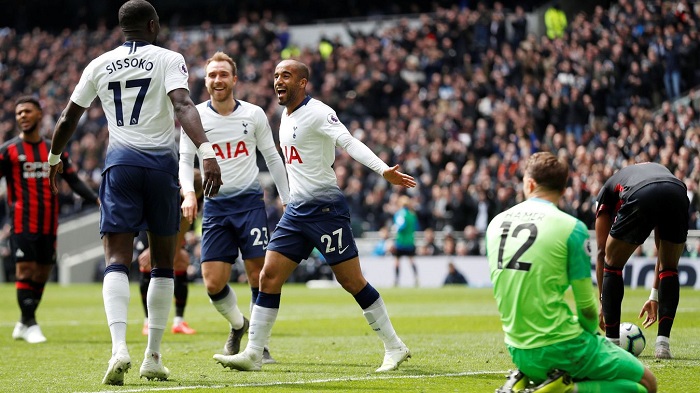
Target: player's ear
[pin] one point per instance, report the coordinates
(529, 185)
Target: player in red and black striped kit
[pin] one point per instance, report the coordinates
(634, 201)
(33, 212)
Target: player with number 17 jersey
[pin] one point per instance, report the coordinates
(520, 246)
(132, 82)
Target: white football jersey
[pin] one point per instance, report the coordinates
(234, 138)
(133, 82)
(308, 138)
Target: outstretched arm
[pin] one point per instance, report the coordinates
(361, 153)
(65, 127)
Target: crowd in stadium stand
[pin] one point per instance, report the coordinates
(457, 101)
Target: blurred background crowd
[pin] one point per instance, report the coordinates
(459, 95)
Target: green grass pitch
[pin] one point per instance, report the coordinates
(321, 341)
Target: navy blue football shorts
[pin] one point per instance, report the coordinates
(332, 236)
(223, 236)
(137, 199)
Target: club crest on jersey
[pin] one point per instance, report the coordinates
(183, 69)
(294, 134)
(245, 128)
(333, 119)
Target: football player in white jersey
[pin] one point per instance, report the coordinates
(141, 88)
(317, 216)
(235, 219)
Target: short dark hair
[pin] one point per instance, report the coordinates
(303, 70)
(136, 13)
(548, 171)
(28, 99)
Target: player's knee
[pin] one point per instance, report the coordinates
(214, 286)
(254, 278)
(270, 281)
(182, 261)
(24, 271)
(352, 285)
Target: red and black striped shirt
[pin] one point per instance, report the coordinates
(33, 208)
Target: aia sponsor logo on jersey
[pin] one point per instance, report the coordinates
(226, 151)
(291, 154)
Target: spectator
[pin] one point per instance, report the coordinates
(518, 22)
(429, 247)
(555, 21)
(472, 241)
(454, 276)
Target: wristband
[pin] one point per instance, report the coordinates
(206, 150)
(654, 295)
(54, 159)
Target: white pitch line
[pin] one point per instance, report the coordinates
(313, 381)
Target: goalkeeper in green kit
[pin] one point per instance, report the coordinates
(535, 253)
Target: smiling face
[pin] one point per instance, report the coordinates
(27, 116)
(220, 80)
(290, 83)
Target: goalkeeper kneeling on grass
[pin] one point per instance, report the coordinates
(535, 253)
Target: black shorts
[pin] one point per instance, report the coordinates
(404, 251)
(657, 205)
(33, 248)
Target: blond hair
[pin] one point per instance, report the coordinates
(221, 56)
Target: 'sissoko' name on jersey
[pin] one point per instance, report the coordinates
(133, 62)
(525, 216)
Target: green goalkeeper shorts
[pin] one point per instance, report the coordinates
(587, 356)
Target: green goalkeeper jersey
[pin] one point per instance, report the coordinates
(534, 252)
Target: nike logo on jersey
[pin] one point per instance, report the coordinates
(205, 131)
(340, 252)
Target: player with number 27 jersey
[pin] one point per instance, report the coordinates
(308, 138)
(520, 244)
(139, 77)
